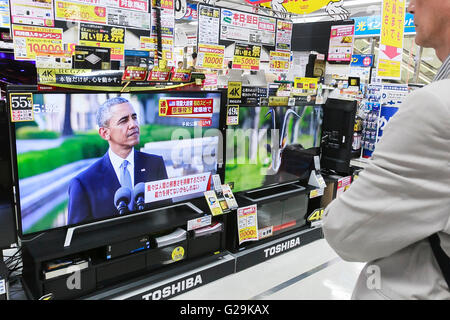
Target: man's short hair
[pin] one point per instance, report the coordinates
(104, 111)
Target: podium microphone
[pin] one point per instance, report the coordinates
(122, 198)
(138, 195)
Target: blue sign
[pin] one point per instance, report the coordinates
(362, 60)
(385, 115)
(371, 25)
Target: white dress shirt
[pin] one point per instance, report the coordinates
(117, 161)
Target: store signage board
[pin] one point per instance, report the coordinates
(247, 27)
(246, 57)
(371, 25)
(104, 37)
(391, 40)
(306, 6)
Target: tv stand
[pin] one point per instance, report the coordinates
(107, 255)
(272, 192)
(183, 207)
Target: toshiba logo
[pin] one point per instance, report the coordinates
(174, 288)
(282, 247)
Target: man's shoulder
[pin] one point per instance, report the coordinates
(440, 89)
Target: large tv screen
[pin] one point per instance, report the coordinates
(92, 156)
(271, 145)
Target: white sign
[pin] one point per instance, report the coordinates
(176, 187)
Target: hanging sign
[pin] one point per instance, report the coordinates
(391, 40)
(208, 25)
(279, 62)
(104, 37)
(341, 43)
(28, 40)
(305, 6)
(284, 35)
(247, 27)
(246, 57)
(210, 56)
(36, 13)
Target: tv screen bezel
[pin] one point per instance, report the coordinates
(35, 90)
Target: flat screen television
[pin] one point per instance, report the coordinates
(69, 161)
(8, 228)
(271, 146)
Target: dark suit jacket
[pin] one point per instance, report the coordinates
(91, 193)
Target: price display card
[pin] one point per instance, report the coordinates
(247, 219)
(279, 61)
(208, 25)
(28, 40)
(246, 57)
(210, 56)
(213, 202)
(232, 115)
(21, 105)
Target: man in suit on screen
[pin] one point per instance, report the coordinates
(91, 193)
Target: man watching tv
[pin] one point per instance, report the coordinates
(92, 192)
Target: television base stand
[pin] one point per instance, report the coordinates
(70, 231)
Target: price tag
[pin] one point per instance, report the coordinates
(232, 115)
(21, 106)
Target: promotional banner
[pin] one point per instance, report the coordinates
(37, 13)
(186, 107)
(247, 221)
(305, 86)
(28, 40)
(371, 25)
(391, 40)
(279, 62)
(104, 37)
(246, 57)
(341, 43)
(210, 56)
(177, 187)
(70, 11)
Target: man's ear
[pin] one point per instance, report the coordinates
(104, 133)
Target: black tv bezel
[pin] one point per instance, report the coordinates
(34, 89)
(270, 185)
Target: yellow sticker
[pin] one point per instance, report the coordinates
(178, 254)
(316, 215)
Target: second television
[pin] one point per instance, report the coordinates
(69, 160)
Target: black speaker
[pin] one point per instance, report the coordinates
(337, 134)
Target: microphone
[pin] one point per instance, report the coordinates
(138, 195)
(121, 199)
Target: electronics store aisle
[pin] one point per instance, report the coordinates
(311, 272)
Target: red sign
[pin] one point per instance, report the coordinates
(133, 73)
(191, 108)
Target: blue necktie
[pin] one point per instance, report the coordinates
(125, 180)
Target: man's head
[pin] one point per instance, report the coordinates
(180, 64)
(118, 124)
(432, 20)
